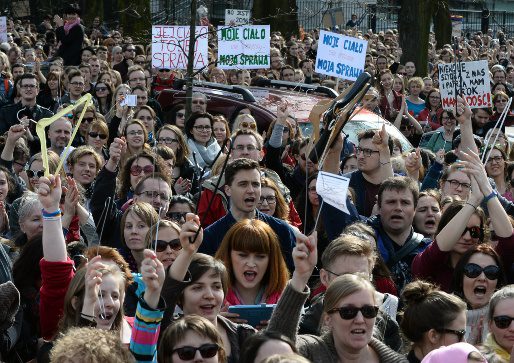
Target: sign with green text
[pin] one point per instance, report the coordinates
(244, 47)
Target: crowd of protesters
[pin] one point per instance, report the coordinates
(155, 225)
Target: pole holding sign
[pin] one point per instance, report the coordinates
(340, 56)
(475, 83)
(244, 47)
(170, 46)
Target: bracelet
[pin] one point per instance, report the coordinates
(493, 194)
(474, 207)
(57, 218)
(87, 317)
(52, 214)
(387, 162)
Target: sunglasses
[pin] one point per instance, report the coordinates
(136, 170)
(162, 245)
(188, 352)
(502, 321)
(472, 270)
(38, 173)
(94, 135)
(474, 232)
(350, 312)
(164, 70)
(180, 114)
(177, 216)
(251, 125)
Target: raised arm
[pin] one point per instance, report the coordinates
(466, 129)
(14, 134)
(178, 269)
(54, 246)
(381, 141)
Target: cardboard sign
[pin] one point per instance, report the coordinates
(340, 56)
(170, 47)
(244, 47)
(475, 83)
(457, 21)
(234, 17)
(3, 29)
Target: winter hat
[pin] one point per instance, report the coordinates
(455, 353)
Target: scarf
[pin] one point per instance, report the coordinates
(490, 342)
(69, 25)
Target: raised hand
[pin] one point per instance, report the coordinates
(93, 279)
(413, 162)
(116, 151)
(49, 191)
(153, 275)
(17, 131)
(472, 165)
(283, 112)
(463, 111)
(188, 233)
(182, 185)
(71, 198)
(381, 140)
(305, 257)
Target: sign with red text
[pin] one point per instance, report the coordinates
(244, 47)
(170, 47)
(340, 56)
(470, 79)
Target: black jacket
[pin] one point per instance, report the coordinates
(71, 44)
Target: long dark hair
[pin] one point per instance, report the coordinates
(304, 206)
(452, 210)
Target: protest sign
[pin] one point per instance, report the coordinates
(457, 21)
(3, 29)
(340, 56)
(244, 47)
(470, 79)
(170, 47)
(234, 17)
(333, 189)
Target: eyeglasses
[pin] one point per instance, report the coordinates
(136, 170)
(101, 89)
(28, 86)
(502, 321)
(495, 159)
(134, 133)
(137, 79)
(38, 173)
(366, 152)
(251, 125)
(164, 70)
(350, 312)
(130, 50)
(174, 244)
(455, 184)
(270, 199)
(77, 84)
(202, 128)
(153, 194)
(177, 216)
(94, 135)
(167, 140)
(188, 352)
(180, 114)
(474, 232)
(243, 147)
(459, 333)
(500, 100)
(472, 270)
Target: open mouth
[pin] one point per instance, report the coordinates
(250, 275)
(250, 200)
(105, 317)
(430, 223)
(358, 331)
(480, 291)
(396, 217)
(207, 309)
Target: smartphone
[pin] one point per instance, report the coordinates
(253, 314)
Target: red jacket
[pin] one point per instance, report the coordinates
(55, 279)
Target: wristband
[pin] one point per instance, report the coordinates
(474, 207)
(493, 194)
(57, 213)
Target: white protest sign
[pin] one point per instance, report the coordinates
(236, 17)
(244, 47)
(3, 29)
(475, 83)
(333, 189)
(457, 21)
(340, 56)
(170, 47)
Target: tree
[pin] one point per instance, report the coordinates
(286, 22)
(414, 28)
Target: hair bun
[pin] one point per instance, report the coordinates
(417, 291)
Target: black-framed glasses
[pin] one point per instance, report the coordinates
(472, 270)
(270, 199)
(101, 89)
(161, 245)
(167, 140)
(459, 333)
(366, 152)
(188, 352)
(94, 135)
(474, 232)
(455, 184)
(177, 216)
(32, 173)
(495, 159)
(333, 273)
(202, 128)
(502, 321)
(249, 147)
(350, 312)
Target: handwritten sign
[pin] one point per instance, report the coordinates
(170, 47)
(234, 17)
(333, 189)
(475, 83)
(244, 47)
(3, 29)
(340, 56)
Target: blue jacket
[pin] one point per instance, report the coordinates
(214, 234)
